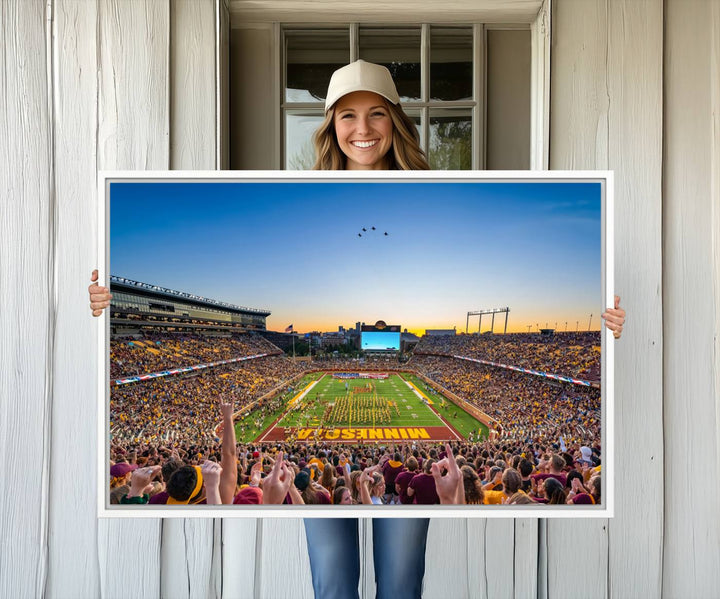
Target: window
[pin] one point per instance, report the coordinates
(432, 68)
(440, 72)
(467, 87)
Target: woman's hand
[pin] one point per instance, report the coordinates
(99, 296)
(367, 475)
(365, 480)
(448, 479)
(256, 474)
(211, 472)
(577, 487)
(614, 318)
(226, 409)
(277, 484)
(141, 479)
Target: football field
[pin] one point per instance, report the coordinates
(374, 408)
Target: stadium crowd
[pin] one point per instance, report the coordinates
(529, 408)
(570, 354)
(548, 451)
(154, 352)
(367, 363)
(411, 473)
(182, 409)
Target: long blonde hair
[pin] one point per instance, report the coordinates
(354, 485)
(405, 153)
(474, 493)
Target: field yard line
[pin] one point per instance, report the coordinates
(302, 393)
(262, 438)
(290, 404)
(422, 396)
(440, 418)
(450, 427)
(444, 423)
(417, 392)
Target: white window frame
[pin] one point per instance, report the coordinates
(536, 17)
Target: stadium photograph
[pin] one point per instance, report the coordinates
(330, 343)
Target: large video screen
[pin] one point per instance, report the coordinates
(375, 341)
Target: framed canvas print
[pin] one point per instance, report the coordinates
(335, 344)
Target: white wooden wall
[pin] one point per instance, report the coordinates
(691, 298)
(606, 113)
(112, 84)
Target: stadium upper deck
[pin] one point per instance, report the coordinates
(137, 305)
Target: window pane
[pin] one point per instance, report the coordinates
(451, 56)
(311, 57)
(299, 149)
(450, 139)
(399, 51)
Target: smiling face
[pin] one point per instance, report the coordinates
(364, 130)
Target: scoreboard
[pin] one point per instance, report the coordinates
(380, 337)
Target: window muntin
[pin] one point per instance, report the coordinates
(311, 55)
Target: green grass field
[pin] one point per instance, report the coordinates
(457, 417)
(364, 403)
(245, 429)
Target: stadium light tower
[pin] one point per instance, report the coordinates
(492, 311)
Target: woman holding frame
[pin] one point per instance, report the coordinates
(365, 128)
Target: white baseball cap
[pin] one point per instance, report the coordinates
(361, 76)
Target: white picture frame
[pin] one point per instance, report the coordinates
(604, 510)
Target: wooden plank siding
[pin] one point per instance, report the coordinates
(27, 280)
(579, 102)
(282, 565)
(115, 84)
(133, 133)
(74, 569)
(606, 113)
(691, 273)
(448, 558)
(193, 85)
(190, 565)
(635, 91)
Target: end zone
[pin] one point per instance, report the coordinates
(360, 434)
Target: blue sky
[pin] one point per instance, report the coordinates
(293, 247)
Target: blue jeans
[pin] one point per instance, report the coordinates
(398, 551)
